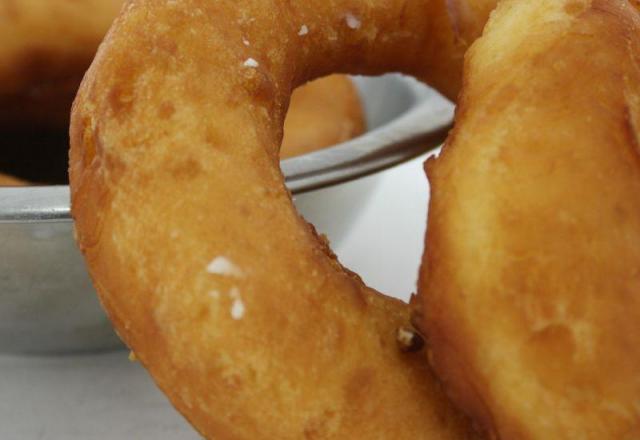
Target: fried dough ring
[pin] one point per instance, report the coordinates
(46, 47)
(6, 180)
(242, 315)
(322, 113)
(531, 278)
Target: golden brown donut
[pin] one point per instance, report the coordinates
(6, 180)
(242, 315)
(530, 283)
(322, 113)
(46, 46)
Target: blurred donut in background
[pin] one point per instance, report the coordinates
(46, 47)
(322, 113)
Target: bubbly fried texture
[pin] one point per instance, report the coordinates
(322, 113)
(242, 315)
(530, 284)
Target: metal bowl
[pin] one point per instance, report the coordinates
(47, 302)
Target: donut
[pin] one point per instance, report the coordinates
(322, 113)
(238, 309)
(6, 180)
(47, 47)
(530, 284)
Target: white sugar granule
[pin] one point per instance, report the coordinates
(250, 62)
(237, 308)
(352, 21)
(224, 266)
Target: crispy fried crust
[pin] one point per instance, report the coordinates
(531, 278)
(322, 113)
(241, 314)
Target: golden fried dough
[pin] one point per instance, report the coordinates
(531, 279)
(242, 315)
(6, 180)
(46, 46)
(322, 113)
